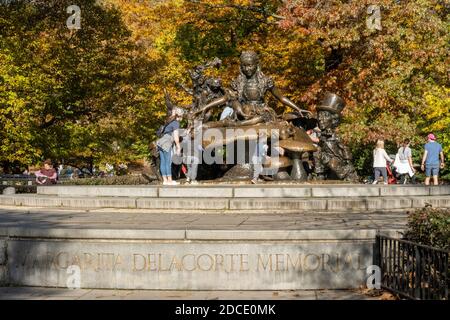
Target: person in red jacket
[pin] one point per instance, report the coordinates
(47, 174)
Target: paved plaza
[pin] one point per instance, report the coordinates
(35, 293)
(135, 219)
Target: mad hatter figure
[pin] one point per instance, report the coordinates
(333, 159)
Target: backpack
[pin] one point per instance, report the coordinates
(160, 131)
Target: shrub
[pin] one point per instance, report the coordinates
(20, 188)
(429, 226)
(115, 180)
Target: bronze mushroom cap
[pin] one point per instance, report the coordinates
(297, 146)
(278, 162)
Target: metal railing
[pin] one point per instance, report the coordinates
(412, 270)
(17, 179)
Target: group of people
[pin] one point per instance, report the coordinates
(170, 145)
(432, 161)
(173, 140)
(47, 174)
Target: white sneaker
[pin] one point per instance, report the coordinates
(174, 183)
(375, 182)
(165, 183)
(194, 182)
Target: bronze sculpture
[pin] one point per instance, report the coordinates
(247, 97)
(252, 114)
(332, 159)
(204, 90)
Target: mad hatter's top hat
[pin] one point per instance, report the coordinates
(332, 103)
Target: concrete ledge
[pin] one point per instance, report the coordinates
(89, 234)
(244, 191)
(391, 191)
(98, 202)
(194, 234)
(437, 202)
(94, 191)
(440, 190)
(200, 192)
(6, 200)
(2, 252)
(356, 191)
(272, 192)
(279, 204)
(384, 204)
(232, 204)
(37, 201)
(368, 234)
(195, 203)
(346, 204)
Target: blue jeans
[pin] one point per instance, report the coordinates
(166, 162)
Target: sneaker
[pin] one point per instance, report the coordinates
(174, 183)
(188, 180)
(166, 183)
(375, 182)
(194, 182)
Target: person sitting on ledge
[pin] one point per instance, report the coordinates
(47, 174)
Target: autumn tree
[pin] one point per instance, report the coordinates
(97, 93)
(392, 79)
(70, 95)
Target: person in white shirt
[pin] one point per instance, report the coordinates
(379, 162)
(403, 162)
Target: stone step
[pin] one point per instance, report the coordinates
(246, 191)
(231, 204)
(211, 259)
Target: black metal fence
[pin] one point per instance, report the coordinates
(412, 270)
(17, 179)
